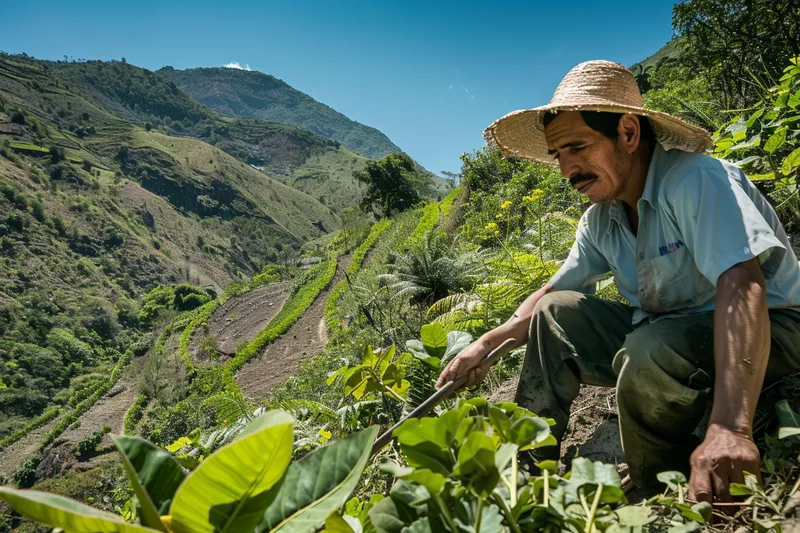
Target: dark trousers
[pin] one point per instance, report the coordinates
(663, 372)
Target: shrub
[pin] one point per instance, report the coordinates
(88, 445)
(25, 475)
(18, 116)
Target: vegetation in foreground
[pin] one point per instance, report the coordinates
(458, 470)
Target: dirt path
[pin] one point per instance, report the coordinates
(281, 359)
(11, 458)
(108, 410)
(240, 319)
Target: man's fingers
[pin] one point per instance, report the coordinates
(700, 483)
(720, 480)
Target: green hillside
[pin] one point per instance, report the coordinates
(243, 93)
(96, 211)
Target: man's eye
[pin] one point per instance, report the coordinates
(577, 148)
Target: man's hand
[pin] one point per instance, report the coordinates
(467, 361)
(721, 459)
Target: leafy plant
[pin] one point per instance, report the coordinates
(248, 485)
(379, 371)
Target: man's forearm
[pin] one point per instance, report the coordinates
(741, 346)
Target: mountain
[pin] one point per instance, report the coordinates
(242, 93)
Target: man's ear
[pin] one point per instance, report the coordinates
(629, 130)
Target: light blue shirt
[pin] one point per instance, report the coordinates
(698, 217)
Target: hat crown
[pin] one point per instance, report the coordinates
(598, 83)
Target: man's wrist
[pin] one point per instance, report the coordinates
(735, 424)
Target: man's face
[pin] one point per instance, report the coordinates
(594, 164)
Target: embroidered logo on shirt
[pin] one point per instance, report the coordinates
(669, 248)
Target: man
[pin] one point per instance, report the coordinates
(697, 250)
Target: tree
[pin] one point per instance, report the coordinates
(393, 184)
(731, 41)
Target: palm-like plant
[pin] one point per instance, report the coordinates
(434, 268)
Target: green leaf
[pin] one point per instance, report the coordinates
(528, 431)
(476, 465)
(740, 489)
(672, 479)
(230, 489)
(775, 140)
(332, 377)
(586, 473)
(769, 176)
(635, 515)
(456, 341)
(426, 441)
(434, 339)
(785, 433)
(791, 162)
(466, 515)
(416, 349)
(704, 509)
(336, 523)
(690, 513)
(504, 454)
(58, 511)
(318, 484)
(432, 481)
(155, 475)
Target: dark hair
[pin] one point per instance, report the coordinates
(606, 123)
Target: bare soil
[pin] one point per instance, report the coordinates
(281, 359)
(108, 410)
(11, 457)
(592, 430)
(240, 319)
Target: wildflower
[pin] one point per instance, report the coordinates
(536, 194)
(491, 226)
(498, 216)
(506, 204)
(342, 345)
(326, 435)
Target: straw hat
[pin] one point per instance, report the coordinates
(591, 86)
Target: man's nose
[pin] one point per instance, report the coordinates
(569, 166)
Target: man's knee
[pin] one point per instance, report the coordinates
(556, 303)
(656, 385)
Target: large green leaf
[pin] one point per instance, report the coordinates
(154, 474)
(588, 475)
(318, 484)
(456, 341)
(230, 489)
(157, 470)
(775, 140)
(476, 464)
(434, 339)
(58, 511)
(791, 162)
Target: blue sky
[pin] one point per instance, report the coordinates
(429, 74)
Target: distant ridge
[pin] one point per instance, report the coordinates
(242, 93)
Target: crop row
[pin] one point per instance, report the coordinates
(377, 230)
(134, 414)
(292, 310)
(36, 423)
(99, 390)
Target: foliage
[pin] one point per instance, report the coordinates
(379, 371)
(134, 414)
(332, 320)
(393, 184)
(765, 142)
(163, 299)
(25, 475)
(434, 268)
(247, 485)
(88, 445)
(737, 45)
(36, 423)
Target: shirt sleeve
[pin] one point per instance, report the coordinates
(721, 224)
(584, 266)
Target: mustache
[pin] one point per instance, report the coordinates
(578, 179)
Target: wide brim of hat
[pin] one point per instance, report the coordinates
(521, 133)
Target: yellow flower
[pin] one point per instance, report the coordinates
(498, 216)
(506, 204)
(342, 345)
(491, 226)
(536, 194)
